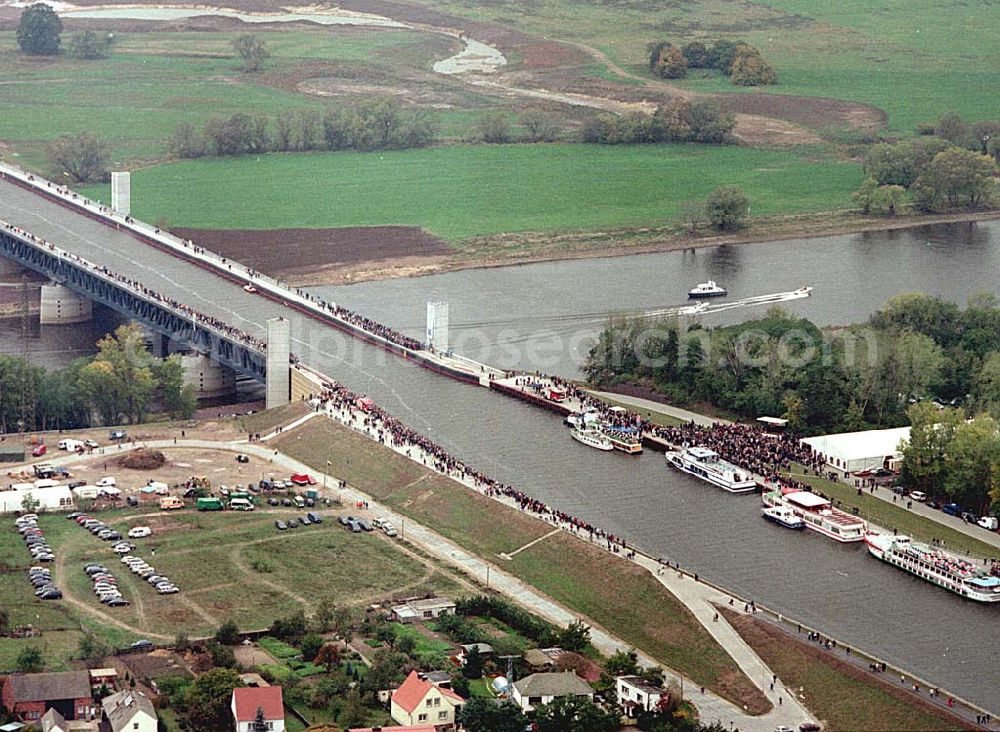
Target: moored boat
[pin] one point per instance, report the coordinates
(783, 516)
(625, 439)
(818, 514)
(592, 438)
(710, 467)
(707, 289)
(950, 571)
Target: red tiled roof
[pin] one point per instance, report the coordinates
(248, 700)
(412, 691)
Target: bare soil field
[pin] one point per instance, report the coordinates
(326, 255)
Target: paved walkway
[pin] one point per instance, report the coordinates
(676, 412)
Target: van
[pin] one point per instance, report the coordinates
(105, 482)
(117, 435)
(170, 503)
(240, 504)
(918, 496)
(44, 470)
(989, 523)
(299, 501)
(39, 450)
(71, 445)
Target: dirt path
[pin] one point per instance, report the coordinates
(240, 562)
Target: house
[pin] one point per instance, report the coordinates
(51, 498)
(419, 702)
(53, 721)
(29, 696)
(257, 710)
(485, 651)
(541, 688)
(129, 710)
(635, 695)
(423, 609)
(417, 728)
(103, 677)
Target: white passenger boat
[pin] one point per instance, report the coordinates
(627, 440)
(783, 516)
(952, 572)
(819, 515)
(583, 420)
(592, 438)
(707, 465)
(707, 289)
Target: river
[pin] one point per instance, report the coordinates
(545, 316)
(841, 590)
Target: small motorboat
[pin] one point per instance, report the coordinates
(696, 309)
(783, 516)
(249, 288)
(707, 289)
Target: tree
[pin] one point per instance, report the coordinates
(252, 52)
(696, 54)
(728, 208)
(709, 122)
(88, 46)
(186, 141)
(931, 433)
(692, 214)
(177, 398)
(494, 128)
(951, 127)
(483, 715)
(291, 627)
(207, 699)
(29, 504)
(4, 621)
(538, 126)
(82, 157)
(574, 714)
(118, 383)
(328, 656)
(93, 649)
(473, 668)
(228, 633)
(865, 195)
(574, 637)
(722, 54)
(30, 660)
(311, 645)
(875, 199)
(623, 663)
(749, 69)
(39, 29)
(671, 64)
(959, 177)
(353, 713)
(406, 645)
(386, 634)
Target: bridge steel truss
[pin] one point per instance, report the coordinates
(240, 357)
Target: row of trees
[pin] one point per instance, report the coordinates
(122, 383)
(953, 457)
(916, 349)
(982, 136)
(681, 120)
(377, 124)
(738, 60)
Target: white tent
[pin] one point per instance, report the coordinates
(854, 451)
(51, 499)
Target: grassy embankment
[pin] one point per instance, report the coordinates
(895, 516)
(843, 696)
(467, 191)
(609, 591)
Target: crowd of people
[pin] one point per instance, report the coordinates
(209, 321)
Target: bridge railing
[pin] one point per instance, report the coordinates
(197, 319)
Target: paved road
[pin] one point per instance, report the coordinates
(682, 414)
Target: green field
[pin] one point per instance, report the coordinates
(915, 60)
(465, 191)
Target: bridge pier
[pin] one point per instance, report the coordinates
(210, 379)
(9, 267)
(278, 368)
(62, 306)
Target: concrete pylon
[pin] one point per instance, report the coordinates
(121, 192)
(279, 375)
(62, 306)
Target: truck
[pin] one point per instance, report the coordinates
(556, 394)
(209, 504)
(171, 503)
(240, 504)
(989, 523)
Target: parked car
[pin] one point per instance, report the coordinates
(138, 532)
(305, 521)
(989, 522)
(898, 490)
(39, 450)
(242, 458)
(142, 645)
(280, 525)
(918, 496)
(114, 435)
(969, 517)
(315, 517)
(292, 523)
(952, 509)
(882, 473)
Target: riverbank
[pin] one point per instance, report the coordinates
(505, 250)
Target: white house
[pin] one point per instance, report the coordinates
(423, 609)
(417, 701)
(634, 694)
(537, 689)
(258, 708)
(129, 710)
